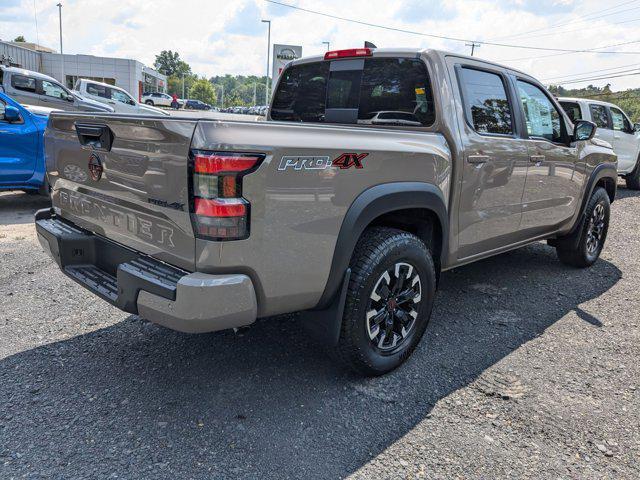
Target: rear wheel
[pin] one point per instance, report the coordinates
(149, 102)
(389, 301)
(633, 179)
(592, 235)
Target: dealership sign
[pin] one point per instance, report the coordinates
(283, 54)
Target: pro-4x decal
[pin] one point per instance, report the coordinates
(348, 160)
(343, 162)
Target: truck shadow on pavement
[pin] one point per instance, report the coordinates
(140, 401)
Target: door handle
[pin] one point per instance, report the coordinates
(477, 159)
(537, 158)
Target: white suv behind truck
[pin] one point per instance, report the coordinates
(615, 128)
(118, 98)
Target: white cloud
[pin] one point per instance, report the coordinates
(218, 37)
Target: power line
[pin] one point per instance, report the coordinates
(594, 50)
(580, 29)
(442, 37)
(575, 20)
(561, 77)
(591, 79)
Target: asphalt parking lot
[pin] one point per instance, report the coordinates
(529, 370)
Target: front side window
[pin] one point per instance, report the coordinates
(599, 115)
(542, 118)
(21, 82)
(54, 90)
(620, 121)
(486, 102)
(381, 91)
(2, 104)
(572, 110)
(119, 96)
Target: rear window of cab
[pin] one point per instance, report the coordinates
(371, 91)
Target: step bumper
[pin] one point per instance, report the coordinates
(139, 284)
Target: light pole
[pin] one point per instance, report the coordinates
(183, 85)
(255, 94)
(63, 79)
(266, 93)
(222, 95)
(327, 44)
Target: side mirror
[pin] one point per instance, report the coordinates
(584, 130)
(132, 102)
(11, 114)
(636, 127)
(70, 98)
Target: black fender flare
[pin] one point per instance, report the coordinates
(368, 206)
(603, 170)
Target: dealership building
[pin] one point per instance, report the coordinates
(131, 75)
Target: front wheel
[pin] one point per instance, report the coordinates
(389, 301)
(592, 234)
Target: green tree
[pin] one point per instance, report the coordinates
(20, 39)
(169, 63)
(203, 90)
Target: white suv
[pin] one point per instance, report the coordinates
(159, 99)
(615, 128)
(118, 98)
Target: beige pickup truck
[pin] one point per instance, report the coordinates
(376, 170)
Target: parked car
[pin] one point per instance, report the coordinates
(196, 105)
(391, 118)
(614, 127)
(118, 98)
(22, 146)
(160, 99)
(220, 223)
(33, 88)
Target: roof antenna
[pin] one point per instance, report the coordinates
(369, 45)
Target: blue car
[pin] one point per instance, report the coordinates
(22, 165)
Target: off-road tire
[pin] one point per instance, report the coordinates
(584, 256)
(378, 251)
(633, 179)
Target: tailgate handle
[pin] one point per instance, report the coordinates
(98, 137)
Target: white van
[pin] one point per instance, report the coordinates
(115, 97)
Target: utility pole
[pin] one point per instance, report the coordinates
(63, 79)
(255, 94)
(327, 44)
(473, 46)
(266, 93)
(183, 86)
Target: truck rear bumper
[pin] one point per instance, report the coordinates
(138, 284)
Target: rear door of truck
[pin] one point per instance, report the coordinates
(125, 178)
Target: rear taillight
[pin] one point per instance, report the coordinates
(352, 52)
(218, 210)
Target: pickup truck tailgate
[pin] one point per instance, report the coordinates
(125, 178)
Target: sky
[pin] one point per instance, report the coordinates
(217, 37)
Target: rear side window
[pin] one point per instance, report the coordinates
(381, 91)
(486, 102)
(599, 115)
(98, 90)
(21, 82)
(572, 109)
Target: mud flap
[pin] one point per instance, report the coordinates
(324, 325)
